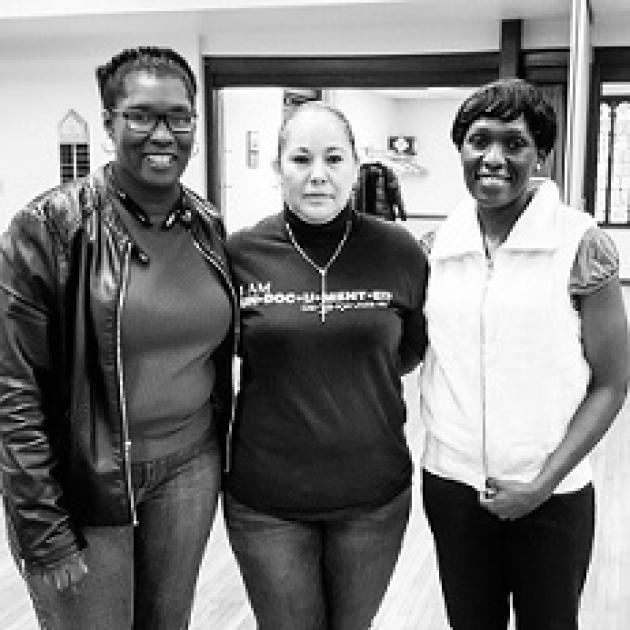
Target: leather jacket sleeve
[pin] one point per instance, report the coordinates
(222, 394)
(29, 397)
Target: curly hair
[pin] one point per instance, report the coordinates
(507, 100)
(158, 60)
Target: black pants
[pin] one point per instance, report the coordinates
(541, 559)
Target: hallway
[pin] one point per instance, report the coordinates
(413, 601)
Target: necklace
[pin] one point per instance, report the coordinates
(141, 215)
(323, 271)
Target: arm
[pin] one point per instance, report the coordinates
(414, 340)
(605, 340)
(32, 493)
(414, 334)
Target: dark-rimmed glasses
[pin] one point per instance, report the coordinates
(145, 121)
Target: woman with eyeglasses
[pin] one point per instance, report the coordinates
(117, 320)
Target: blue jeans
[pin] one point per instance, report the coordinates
(143, 577)
(317, 575)
(541, 559)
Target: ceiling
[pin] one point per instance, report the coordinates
(430, 9)
(26, 19)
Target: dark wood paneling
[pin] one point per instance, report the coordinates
(545, 66)
(354, 71)
(510, 63)
(613, 63)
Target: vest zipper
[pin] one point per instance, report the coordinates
(121, 383)
(213, 260)
(484, 419)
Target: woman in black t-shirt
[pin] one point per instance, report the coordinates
(318, 495)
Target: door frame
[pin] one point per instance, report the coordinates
(466, 69)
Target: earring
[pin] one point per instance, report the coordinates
(108, 146)
(195, 149)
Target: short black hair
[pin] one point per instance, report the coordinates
(507, 100)
(156, 59)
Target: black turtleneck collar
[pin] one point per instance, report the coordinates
(314, 234)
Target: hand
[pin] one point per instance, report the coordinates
(509, 500)
(65, 574)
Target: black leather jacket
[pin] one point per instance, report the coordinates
(64, 265)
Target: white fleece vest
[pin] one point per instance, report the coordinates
(505, 371)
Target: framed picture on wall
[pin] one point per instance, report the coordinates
(402, 145)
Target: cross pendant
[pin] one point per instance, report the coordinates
(322, 302)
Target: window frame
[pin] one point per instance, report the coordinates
(611, 64)
(73, 136)
(79, 165)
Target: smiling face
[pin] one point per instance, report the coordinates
(498, 159)
(147, 163)
(317, 165)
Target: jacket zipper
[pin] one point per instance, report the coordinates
(218, 265)
(121, 383)
(489, 268)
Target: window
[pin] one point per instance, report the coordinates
(612, 192)
(74, 147)
(74, 159)
(607, 167)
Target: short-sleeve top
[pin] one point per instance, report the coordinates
(596, 264)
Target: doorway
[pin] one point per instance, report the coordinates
(427, 167)
(412, 96)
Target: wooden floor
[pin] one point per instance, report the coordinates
(413, 601)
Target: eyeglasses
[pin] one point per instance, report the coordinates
(145, 121)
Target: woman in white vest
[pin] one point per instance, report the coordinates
(526, 370)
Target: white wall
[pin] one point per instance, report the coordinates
(36, 94)
(441, 185)
(611, 30)
(249, 194)
(370, 115)
(547, 33)
(339, 34)
(39, 83)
